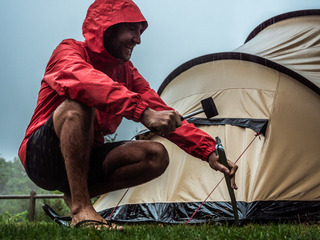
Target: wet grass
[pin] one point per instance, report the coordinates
(50, 230)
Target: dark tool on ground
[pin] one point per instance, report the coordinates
(61, 220)
(223, 160)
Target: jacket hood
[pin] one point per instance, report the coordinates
(103, 14)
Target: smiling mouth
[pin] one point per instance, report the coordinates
(130, 48)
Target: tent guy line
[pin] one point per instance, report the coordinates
(109, 218)
(258, 134)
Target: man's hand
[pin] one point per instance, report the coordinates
(216, 165)
(163, 122)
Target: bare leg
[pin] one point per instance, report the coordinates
(127, 165)
(131, 164)
(73, 125)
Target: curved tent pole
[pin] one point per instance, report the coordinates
(281, 17)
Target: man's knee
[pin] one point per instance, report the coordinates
(159, 157)
(71, 112)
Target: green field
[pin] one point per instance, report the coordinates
(50, 230)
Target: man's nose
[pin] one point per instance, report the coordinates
(137, 39)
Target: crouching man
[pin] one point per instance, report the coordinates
(87, 88)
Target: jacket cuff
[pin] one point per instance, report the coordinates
(207, 153)
(141, 107)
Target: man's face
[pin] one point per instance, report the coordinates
(120, 39)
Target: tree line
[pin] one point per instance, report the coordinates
(15, 181)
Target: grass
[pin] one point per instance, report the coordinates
(50, 230)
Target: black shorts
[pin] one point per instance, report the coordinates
(45, 164)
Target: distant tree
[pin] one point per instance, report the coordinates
(3, 175)
(15, 181)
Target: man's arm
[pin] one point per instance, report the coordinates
(71, 75)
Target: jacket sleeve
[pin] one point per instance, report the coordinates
(188, 137)
(71, 76)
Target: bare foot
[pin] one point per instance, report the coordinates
(99, 225)
(88, 217)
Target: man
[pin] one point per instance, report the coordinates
(87, 89)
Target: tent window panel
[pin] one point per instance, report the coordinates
(254, 124)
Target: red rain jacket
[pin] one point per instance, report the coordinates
(86, 72)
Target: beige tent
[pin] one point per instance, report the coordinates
(273, 78)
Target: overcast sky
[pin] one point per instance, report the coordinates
(179, 30)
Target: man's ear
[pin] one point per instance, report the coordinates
(108, 35)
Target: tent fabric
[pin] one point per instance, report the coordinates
(293, 42)
(238, 56)
(281, 17)
(278, 174)
(260, 211)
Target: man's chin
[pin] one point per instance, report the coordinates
(126, 58)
